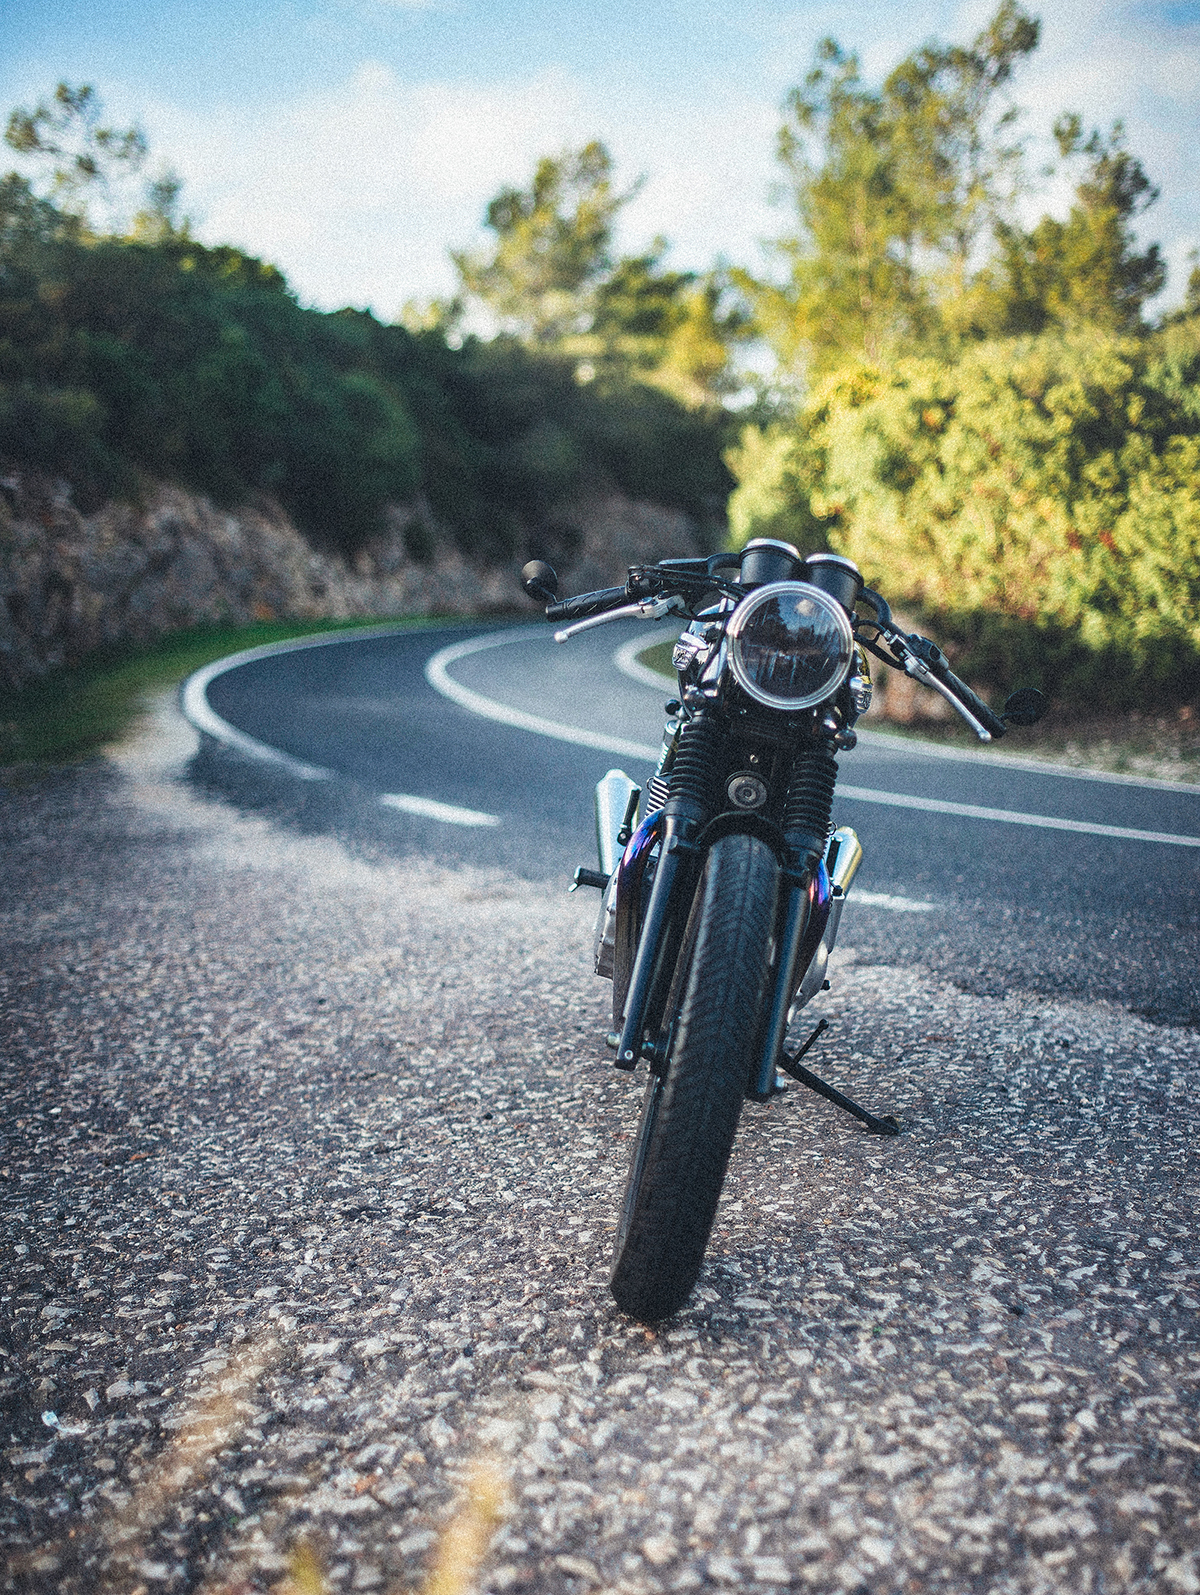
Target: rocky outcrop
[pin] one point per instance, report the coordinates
(72, 582)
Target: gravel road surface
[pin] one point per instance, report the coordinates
(309, 1184)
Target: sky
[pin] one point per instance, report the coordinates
(354, 142)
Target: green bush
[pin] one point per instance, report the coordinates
(1037, 501)
(169, 360)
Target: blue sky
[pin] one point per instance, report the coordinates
(354, 141)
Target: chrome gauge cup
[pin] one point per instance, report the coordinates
(790, 645)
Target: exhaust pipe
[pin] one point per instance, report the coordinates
(616, 804)
(842, 858)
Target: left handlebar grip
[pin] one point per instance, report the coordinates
(586, 604)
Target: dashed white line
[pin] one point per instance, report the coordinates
(428, 808)
(898, 905)
(200, 713)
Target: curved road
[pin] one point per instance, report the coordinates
(1086, 886)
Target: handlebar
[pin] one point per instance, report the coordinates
(587, 604)
(990, 721)
(916, 656)
(933, 668)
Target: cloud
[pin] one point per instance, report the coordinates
(358, 191)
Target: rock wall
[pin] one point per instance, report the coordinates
(71, 582)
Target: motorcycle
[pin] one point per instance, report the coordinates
(723, 883)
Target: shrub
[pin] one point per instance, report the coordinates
(1037, 500)
(197, 366)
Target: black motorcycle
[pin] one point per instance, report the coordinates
(723, 883)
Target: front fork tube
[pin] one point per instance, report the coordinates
(655, 951)
(804, 921)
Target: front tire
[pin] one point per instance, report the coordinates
(690, 1114)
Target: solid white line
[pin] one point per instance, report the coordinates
(627, 661)
(888, 741)
(1045, 822)
(439, 678)
(193, 699)
(448, 813)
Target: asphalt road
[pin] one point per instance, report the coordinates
(1012, 906)
(311, 1162)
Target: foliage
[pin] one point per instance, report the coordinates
(167, 359)
(893, 189)
(551, 281)
(1038, 500)
(89, 165)
(553, 246)
(1086, 270)
(905, 238)
(672, 329)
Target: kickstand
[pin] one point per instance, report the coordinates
(790, 1063)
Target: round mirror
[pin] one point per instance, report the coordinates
(1025, 707)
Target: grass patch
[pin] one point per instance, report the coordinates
(658, 657)
(71, 713)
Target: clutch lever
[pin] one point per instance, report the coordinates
(646, 609)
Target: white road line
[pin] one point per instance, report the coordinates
(1045, 822)
(193, 700)
(437, 674)
(448, 813)
(898, 905)
(439, 678)
(629, 664)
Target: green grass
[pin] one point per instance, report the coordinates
(71, 713)
(658, 658)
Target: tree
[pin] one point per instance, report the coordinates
(553, 247)
(893, 188)
(852, 282)
(89, 168)
(672, 329)
(953, 148)
(553, 282)
(1086, 270)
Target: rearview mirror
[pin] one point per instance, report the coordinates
(1025, 707)
(539, 581)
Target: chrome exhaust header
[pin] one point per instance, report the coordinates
(842, 858)
(616, 801)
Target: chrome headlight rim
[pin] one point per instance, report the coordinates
(741, 620)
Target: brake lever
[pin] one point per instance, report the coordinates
(646, 609)
(920, 671)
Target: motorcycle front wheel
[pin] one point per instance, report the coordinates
(693, 1102)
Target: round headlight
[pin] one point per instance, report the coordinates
(790, 645)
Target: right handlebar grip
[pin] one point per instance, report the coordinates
(586, 604)
(990, 721)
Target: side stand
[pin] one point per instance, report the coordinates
(790, 1063)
